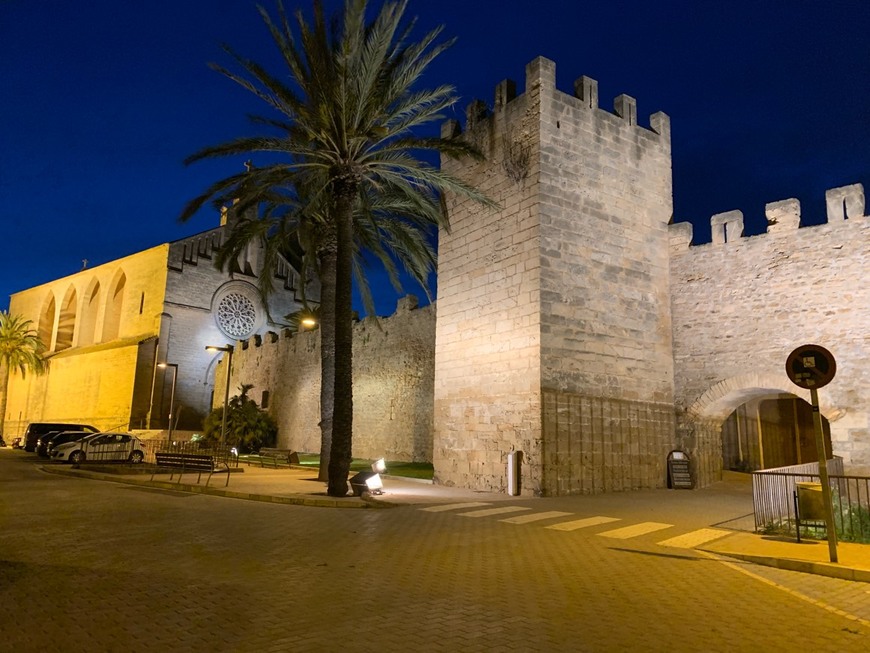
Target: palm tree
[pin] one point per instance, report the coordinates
(347, 126)
(386, 226)
(21, 349)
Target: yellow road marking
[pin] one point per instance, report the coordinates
(638, 529)
(538, 516)
(454, 506)
(695, 538)
(581, 523)
(493, 511)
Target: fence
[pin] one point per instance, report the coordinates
(221, 455)
(773, 499)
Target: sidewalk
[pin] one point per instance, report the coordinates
(299, 486)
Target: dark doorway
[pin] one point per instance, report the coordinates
(771, 432)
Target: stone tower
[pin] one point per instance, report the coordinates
(553, 331)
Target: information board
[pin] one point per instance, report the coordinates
(679, 472)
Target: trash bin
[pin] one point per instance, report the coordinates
(811, 502)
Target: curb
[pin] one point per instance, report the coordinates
(292, 499)
(829, 569)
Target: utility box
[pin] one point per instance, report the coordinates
(514, 464)
(811, 502)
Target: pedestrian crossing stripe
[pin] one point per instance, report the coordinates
(695, 538)
(493, 511)
(538, 516)
(455, 506)
(581, 523)
(634, 531)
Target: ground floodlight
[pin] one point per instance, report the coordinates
(375, 484)
(379, 466)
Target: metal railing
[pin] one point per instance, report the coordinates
(773, 499)
(221, 455)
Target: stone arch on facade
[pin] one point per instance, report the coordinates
(47, 316)
(114, 306)
(66, 320)
(725, 396)
(89, 312)
(707, 415)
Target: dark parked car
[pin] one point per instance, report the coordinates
(42, 443)
(56, 439)
(37, 429)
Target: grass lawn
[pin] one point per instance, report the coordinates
(394, 468)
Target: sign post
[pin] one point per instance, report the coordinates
(812, 367)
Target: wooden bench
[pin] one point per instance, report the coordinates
(277, 457)
(190, 462)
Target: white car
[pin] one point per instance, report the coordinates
(102, 447)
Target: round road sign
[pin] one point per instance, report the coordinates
(811, 366)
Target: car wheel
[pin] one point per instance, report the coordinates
(77, 457)
(137, 457)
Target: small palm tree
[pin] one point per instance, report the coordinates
(348, 127)
(248, 426)
(21, 349)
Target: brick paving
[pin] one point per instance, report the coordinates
(92, 566)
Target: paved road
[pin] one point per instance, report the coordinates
(95, 566)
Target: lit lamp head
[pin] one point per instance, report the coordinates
(308, 322)
(375, 484)
(379, 466)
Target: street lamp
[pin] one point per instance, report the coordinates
(174, 367)
(229, 351)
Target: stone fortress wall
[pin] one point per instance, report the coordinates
(393, 383)
(576, 325)
(553, 334)
(740, 305)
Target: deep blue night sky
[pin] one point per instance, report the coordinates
(101, 101)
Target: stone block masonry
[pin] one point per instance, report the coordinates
(393, 378)
(559, 299)
(742, 304)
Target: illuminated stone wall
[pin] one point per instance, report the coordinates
(92, 380)
(553, 329)
(742, 304)
(393, 379)
(105, 329)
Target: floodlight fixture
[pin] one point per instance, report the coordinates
(379, 466)
(375, 484)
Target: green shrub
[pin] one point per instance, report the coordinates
(248, 426)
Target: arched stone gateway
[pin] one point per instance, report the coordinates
(700, 426)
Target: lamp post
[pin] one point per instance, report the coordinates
(229, 351)
(174, 367)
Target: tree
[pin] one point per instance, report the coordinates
(347, 130)
(386, 226)
(21, 349)
(248, 426)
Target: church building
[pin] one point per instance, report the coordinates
(120, 335)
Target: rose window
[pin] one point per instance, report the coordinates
(236, 315)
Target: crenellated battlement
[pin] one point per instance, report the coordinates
(843, 204)
(404, 306)
(541, 79)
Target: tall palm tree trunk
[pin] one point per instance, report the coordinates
(345, 190)
(327, 256)
(4, 389)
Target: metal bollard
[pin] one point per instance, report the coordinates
(514, 462)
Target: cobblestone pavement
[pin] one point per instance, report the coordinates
(94, 566)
